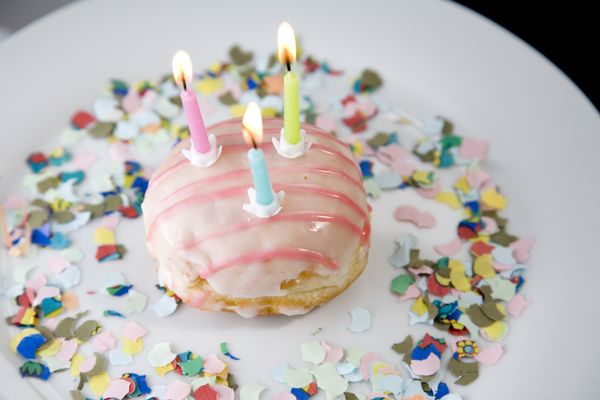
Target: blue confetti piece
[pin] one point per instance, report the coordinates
(35, 369)
(50, 305)
(140, 183)
(29, 345)
(185, 356)
(442, 390)
(59, 241)
(132, 167)
(78, 176)
(366, 168)
(40, 238)
(300, 394)
(112, 313)
(141, 385)
(446, 160)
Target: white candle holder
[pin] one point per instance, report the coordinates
(288, 150)
(263, 211)
(204, 159)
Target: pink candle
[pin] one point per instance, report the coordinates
(195, 123)
(182, 72)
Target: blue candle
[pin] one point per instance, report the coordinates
(260, 177)
(253, 132)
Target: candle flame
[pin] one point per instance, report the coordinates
(286, 44)
(252, 125)
(182, 68)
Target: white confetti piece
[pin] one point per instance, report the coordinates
(117, 357)
(251, 391)
(298, 378)
(161, 354)
(165, 306)
(135, 302)
(329, 380)
(69, 277)
(313, 352)
(360, 320)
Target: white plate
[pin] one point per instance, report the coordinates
(435, 57)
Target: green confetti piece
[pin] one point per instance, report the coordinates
(401, 283)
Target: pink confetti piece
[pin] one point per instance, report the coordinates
(227, 393)
(178, 390)
(430, 193)
(44, 293)
(67, 350)
(450, 248)
(421, 219)
(326, 123)
(478, 178)
(117, 389)
(501, 267)
(131, 102)
(405, 168)
(422, 270)
(391, 154)
(213, 365)
(426, 367)
(133, 331)
(521, 249)
(283, 396)
(84, 159)
(111, 221)
(473, 148)
(104, 341)
(365, 364)
(57, 263)
(490, 225)
(16, 201)
(516, 305)
(490, 355)
(412, 292)
(119, 151)
(87, 364)
(334, 354)
(36, 282)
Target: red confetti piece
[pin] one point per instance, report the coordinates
(82, 119)
(480, 248)
(205, 392)
(435, 288)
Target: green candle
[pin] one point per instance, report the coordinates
(286, 50)
(291, 108)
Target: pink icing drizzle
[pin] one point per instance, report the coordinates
(242, 226)
(281, 253)
(229, 148)
(242, 189)
(238, 173)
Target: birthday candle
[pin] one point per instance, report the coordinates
(253, 132)
(291, 103)
(182, 72)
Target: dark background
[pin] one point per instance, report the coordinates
(567, 33)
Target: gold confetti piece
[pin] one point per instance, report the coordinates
(237, 110)
(208, 86)
(269, 112)
(76, 364)
(130, 347)
(51, 349)
(492, 199)
(457, 276)
(463, 185)
(483, 266)
(29, 317)
(495, 331)
(419, 307)
(99, 383)
(164, 369)
(448, 198)
(104, 236)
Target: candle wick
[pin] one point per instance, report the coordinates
(250, 134)
(183, 82)
(288, 65)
